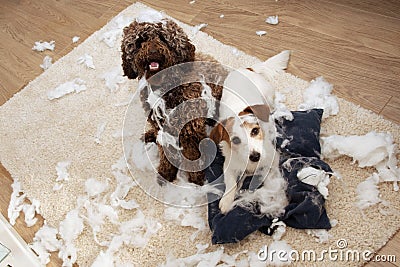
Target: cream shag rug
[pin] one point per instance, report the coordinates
(84, 128)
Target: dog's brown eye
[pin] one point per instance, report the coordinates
(255, 131)
(236, 140)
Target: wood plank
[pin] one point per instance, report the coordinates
(389, 8)
(18, 66)
(179, 9)
(392, 110)
(327, 17)
(355, 75)
(349, 24)
(265, 8)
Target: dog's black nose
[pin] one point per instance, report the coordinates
(254, 156)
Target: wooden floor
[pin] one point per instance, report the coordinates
(355, 45)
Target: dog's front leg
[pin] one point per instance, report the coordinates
(225, 203)
(166, 169)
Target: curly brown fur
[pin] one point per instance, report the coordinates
(167, 44)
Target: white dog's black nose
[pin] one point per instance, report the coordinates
(254, 156)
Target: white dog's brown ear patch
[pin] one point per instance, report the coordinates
(219, 133)
(260, 111)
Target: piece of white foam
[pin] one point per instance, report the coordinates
(113, 78)
(46, 63)
(273, 20)
(86, 60)
(315, 177)
(261, 33)
(318, 95)
(76, 85)
(41, 46)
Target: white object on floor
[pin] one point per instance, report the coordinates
(76, 85)
(75, 39)
(41, 46)
(87, 60)
(261, 33)
(315, 177)
(46, 63)
(319, 95)
(20, 254)
(273, 20)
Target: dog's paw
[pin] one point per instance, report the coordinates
(225, 204)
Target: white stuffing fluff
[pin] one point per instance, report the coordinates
(281, 111)
(75, 39)
(271, 197)
(100, 129)
(370, 150)
(46, 63)
(94, 187)
(334, 222)
(192, 2)
(316, 177)
(206, 94)
(146, 156)
(117, 24)
(368, 192)
(318, 95)
(273, 20)
(280, 229)
(30, 212)
(166, 139)
(62, 172)
(322, 235)
(76, 85)
(198, 27)
(70, 228)
(41, 46)
(16, 202)
(150, 16)
(254, 261)
(186, 214)
(157, 105)
(45, 241)
(128, 205)
(201, 248)
(104, 259)
(113, 78)
(261, 33)
(87, 60)
(136, 232)
(221, 16)
(124, 184)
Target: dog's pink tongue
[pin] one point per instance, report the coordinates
(154, 66)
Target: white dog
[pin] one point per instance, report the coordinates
(245, 134)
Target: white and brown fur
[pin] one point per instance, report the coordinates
(246, 134)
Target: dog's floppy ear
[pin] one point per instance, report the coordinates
(127, 66)
(261, 111)
(128, 47)
(219, 134)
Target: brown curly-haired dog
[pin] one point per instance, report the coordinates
(149, 49)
